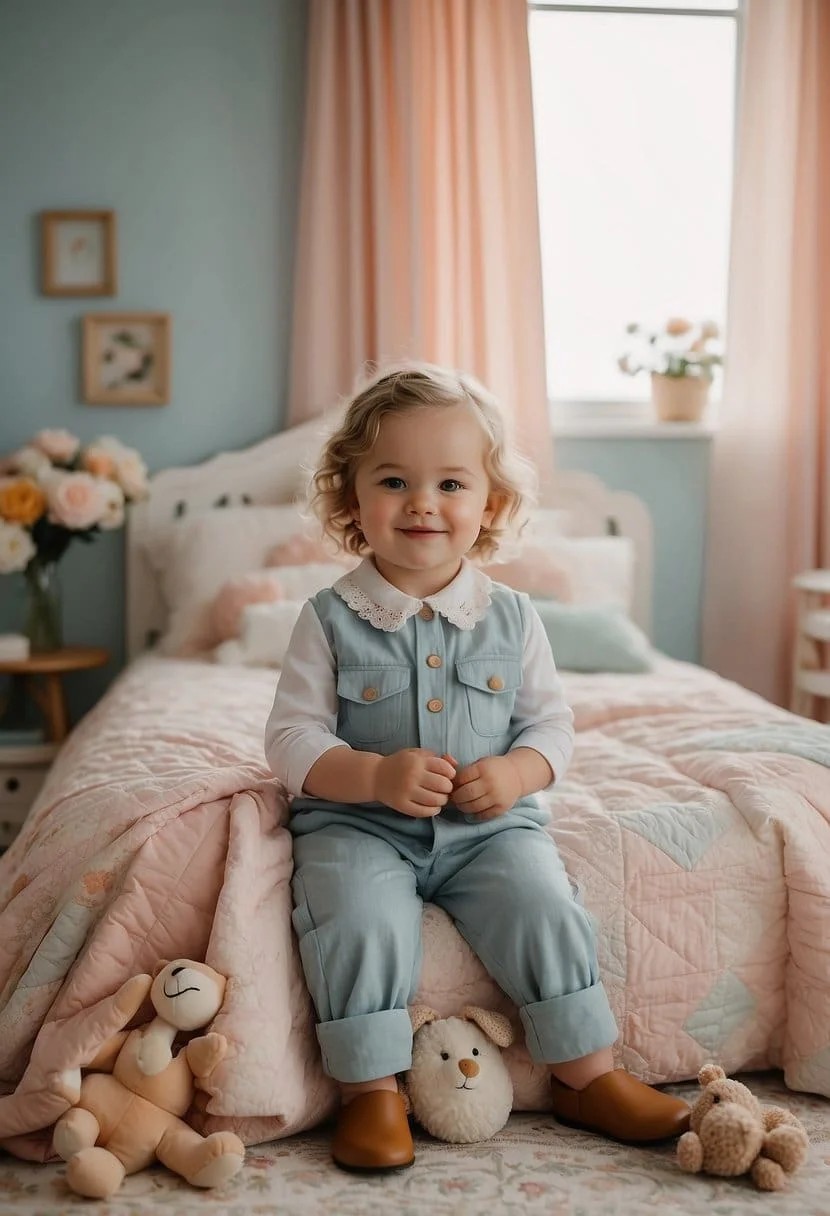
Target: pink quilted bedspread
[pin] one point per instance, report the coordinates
(695, 819)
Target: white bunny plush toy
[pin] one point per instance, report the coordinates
(458, 1087)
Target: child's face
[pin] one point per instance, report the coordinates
(423, 494)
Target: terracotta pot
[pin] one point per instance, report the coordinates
(679, 398)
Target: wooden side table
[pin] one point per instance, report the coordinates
(811, 645)
(42, 678)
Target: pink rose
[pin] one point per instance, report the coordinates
(76, 501)
(113, 516)
(58, 445)
(677, 326)
(131, 474)
(31, 462)
(98, 462)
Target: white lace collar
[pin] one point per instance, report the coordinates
(463, 602)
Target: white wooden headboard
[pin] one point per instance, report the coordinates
(276, 471)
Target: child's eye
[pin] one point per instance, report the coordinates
(451, 484)
(393, 483)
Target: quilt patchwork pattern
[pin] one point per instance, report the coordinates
(695, 821)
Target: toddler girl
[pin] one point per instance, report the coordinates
(417, 713)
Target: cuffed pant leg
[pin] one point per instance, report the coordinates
(570, 1026)
(513, 902)
(357, 916)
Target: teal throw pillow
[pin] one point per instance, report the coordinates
(594, 638)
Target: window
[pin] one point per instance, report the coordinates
(633, 109)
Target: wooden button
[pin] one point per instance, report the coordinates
(426, 613)
(496, 683)
(435, 705)
(370, 694)
(434, 660)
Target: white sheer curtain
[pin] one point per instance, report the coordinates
(769, 511)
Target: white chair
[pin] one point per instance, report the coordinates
(811, 647)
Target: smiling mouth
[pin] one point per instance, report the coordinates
(181, 992)
(421, 532)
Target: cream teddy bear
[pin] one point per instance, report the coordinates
(458, 1087)
(732, 1133)
(120, 1123)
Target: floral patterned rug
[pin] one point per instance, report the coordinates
(533, 1166)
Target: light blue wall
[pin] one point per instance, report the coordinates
(185, 117)
(671, 476)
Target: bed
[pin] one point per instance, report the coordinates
(695, 820)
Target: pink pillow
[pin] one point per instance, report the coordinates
(301, 549)
(256, 587)
(535, 572)
(299, 582)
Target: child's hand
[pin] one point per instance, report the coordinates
(487, 788)
(414, 781)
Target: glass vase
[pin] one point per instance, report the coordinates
(44, 626)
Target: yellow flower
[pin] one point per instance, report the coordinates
(22, 501)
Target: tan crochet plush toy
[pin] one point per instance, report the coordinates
(732, 1133)
(120, 1123)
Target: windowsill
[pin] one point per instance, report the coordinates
(629, 420)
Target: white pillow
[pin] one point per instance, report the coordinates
(301, 582)
(264, 635)
(548, 521)
(600, 568)
(199, 553)
(595, 570)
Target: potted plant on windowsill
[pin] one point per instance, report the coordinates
(680, 358)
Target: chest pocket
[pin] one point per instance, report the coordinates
(490, 682)
(371, 702)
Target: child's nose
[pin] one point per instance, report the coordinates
(421, 503)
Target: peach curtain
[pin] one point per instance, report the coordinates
(418, 228)
(770, 483)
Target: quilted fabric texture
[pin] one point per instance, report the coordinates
(695, 820)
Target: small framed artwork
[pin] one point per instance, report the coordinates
(126, 358)
(78, 255)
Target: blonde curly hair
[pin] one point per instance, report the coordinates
(411, 386)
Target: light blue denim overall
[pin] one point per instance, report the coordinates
(362, 871)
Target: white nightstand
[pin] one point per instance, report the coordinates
(22, 772)
(811, 646)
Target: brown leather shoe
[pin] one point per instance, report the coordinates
(622, 1108)
(373, 1133)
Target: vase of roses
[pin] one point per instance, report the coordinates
(680, 358)
(54, 490)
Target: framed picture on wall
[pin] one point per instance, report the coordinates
(126, 358)
(78, 253)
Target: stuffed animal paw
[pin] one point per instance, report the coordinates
(732, 1134)
(108, 1134)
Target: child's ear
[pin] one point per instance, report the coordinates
(496, 503)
